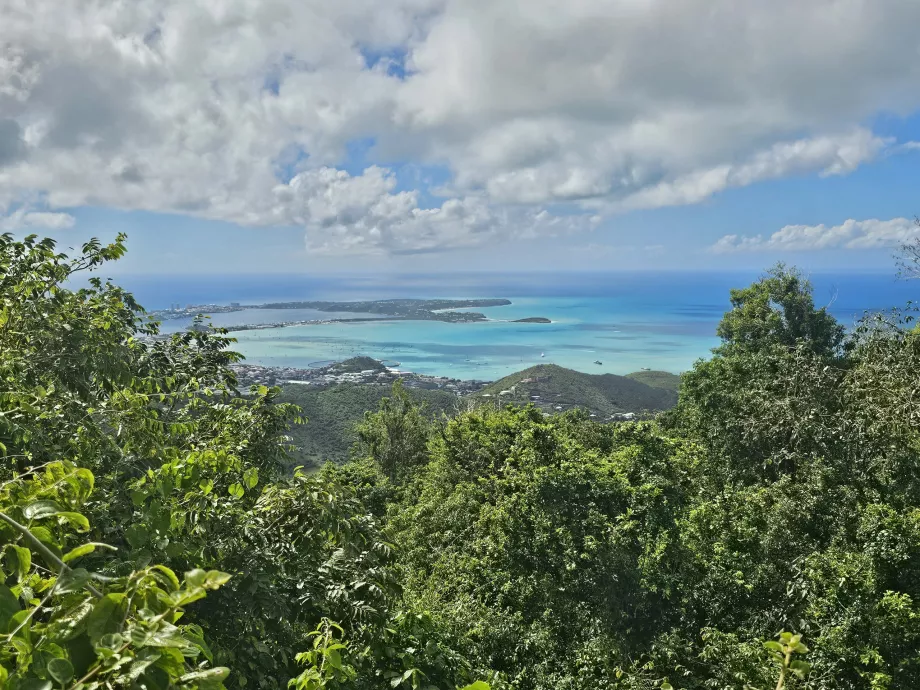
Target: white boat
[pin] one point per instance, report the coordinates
(543, 354)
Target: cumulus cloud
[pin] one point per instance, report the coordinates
(344, 213)
(851, 234)
(244, 110)
(24, 219)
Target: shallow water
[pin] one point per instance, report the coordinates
(625, 321)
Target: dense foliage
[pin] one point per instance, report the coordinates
(765, 533)
(128, 459)
(332, 413)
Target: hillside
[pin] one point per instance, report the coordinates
(332, 413)
(357, 364)
(551, 387)
(657, 379)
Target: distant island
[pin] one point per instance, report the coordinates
(409, 309)
(387, 309)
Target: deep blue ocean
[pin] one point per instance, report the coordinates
(624, 321)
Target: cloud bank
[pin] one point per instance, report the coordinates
(248, 110)
(851, 234)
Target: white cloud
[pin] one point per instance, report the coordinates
(24, 219)
(211, 108)
(851, 234)
(825, 155)
(363, 214)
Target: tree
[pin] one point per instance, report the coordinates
(396, 435)
(186, 473)
(908, 256)
(779, 310)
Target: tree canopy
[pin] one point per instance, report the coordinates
(765, 533)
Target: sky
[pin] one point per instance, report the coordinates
(259, 136)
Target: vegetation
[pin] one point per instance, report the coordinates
(414, 309)
(657, 379)
(333, 412)
(908, 256)
(602, 394)
(764, 533)
(129, 462)
(357, 364)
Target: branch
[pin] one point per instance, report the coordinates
(44, 550)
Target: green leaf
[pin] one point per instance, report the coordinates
(22, 623)
(106, 616)
(196, 577)
(215, 578)
(72, 580)
(60, 669)
(24, 559)
(212, 675)
(77, 520)
(111, 641)
(195, 635)
(167, 635)
(84, 549)
(70, 624)
(137, 536)
(399, 680)
(41, 509)
(145, 659)
(251, 477)
(169, 575)
(185, 597)
(478, 685)
(800, 668)
(236, 490)
(35, 684)
(43, 534)
(9, 607)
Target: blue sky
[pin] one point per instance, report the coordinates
(397, 137)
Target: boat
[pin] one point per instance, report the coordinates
(597, 361)
(543, 354)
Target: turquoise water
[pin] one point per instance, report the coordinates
(582, 332)
(625, 321)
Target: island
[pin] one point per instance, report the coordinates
(413, 309)
(374, 310)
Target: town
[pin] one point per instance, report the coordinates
(359, 370)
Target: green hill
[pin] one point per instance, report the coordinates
(333, 412)
(357, 364)
(657, 379)
(551, 387)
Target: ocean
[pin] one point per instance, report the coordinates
(601, 323)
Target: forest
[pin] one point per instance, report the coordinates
(764, 533)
